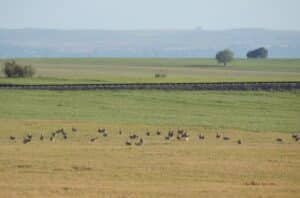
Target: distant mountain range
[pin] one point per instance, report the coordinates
(145, 43)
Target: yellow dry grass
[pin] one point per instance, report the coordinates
(259, 167)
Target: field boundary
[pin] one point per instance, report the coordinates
(221, 86)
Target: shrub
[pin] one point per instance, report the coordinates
(14, 70)
(28, 71)
(258, 53)
(160, 75)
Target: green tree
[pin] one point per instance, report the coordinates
(225, 56)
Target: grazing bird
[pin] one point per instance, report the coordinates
(158, 133)
(201, 137)
(134, 136)
(239, 141)
(52, 138)
(279, 140)
(74, 129)
(183, 136)
(148, 133)
(101, 130)
(127, 143)
(41, 137)
(226, 138)
(167, 137)
(26, 140)
(120, 132)
(180, 131)
(105, 134)
(171, 133)
(12, 138)
(62, 131)
(140, 143)
(218, 136)
(29, 136)
(65, 136)
(296, 137)
(92, 140)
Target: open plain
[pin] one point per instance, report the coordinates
(266, 163)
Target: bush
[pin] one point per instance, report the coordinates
(258, 53)
(160, 75)
(28, 71)
(14, 70)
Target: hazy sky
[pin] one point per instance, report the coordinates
(150, 14)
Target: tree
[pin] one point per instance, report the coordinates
(258, 53)
(13, 70)
(225, 56)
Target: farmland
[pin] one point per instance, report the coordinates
(108, 70)
(76, 167)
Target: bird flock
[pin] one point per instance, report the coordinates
(134, 139)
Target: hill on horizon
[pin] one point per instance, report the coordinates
(30, 43)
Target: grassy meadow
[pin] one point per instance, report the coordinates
(259, 167)
(130, 70)
(247, 111)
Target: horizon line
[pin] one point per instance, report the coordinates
(147, 29)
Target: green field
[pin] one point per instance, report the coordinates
(259, 167)
(113, 70)
(247, 111)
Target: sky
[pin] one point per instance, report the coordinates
(150, 14)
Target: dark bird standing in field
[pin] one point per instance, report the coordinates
(140, 143)
(226, 138)
(201, 136)
(180, 131)
(167, 137)
(134, 136)
(29, 136)
(101, 130)
(296, 137)
(26, 140)
(52, 138)
(41, 137)
(12, 138)
(171, 133)
(92, 140)
(279, 140)
(158, 133)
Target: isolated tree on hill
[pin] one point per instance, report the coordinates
(225, 56)
(258, 53)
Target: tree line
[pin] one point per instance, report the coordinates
(14, 70)
(225, 56)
